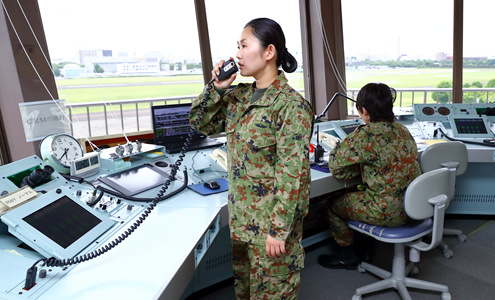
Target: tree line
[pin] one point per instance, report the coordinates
(467, 97)
(428, 64)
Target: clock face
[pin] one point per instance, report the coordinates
(65, 148)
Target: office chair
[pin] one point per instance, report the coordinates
(425, 202)
(452, 156)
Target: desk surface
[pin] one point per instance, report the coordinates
(148, 263)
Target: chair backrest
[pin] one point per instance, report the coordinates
(450, 155)
(439, 155)
(425, 187)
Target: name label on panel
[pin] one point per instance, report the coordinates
(16, 198)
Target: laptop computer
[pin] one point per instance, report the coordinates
(171, 128)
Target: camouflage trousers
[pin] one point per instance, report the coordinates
(258, 276)
(350, 207)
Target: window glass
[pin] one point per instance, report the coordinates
(122, 50)
(478, 56)
(407, 45)
(226, 22)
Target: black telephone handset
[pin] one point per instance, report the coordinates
(229, 67)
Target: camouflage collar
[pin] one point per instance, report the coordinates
(273, 90)
(271, 93)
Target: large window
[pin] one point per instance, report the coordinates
(478, 53)
(407, 45)
(226, 22)
(121, 50)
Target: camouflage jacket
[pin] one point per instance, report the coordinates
(384, 154)
(267, 151)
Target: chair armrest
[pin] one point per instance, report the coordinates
(438, 200)
(438, 203)
(450, 164)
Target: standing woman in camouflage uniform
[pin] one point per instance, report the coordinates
(268, 126)
(383, 153)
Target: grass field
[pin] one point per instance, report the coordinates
(397, 78)
(418, 78)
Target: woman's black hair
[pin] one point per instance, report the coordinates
(269, 32)
(378, 99)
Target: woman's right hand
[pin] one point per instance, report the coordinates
(224, 84)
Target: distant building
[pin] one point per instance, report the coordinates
(440, 56)
(93, 53)
(72, 70)
(138, 68)
(108, 64)
(105, 53)
(165, 67)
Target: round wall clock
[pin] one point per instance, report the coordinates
(58, 150)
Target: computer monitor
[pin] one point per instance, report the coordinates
(171, 124)
(344, 127)
(470, 127)
(348, 129)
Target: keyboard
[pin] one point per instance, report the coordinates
(194, 145)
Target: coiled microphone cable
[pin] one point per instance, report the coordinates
(54, 262)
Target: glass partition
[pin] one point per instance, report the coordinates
(407, 45)
(121, 50)
(226, 22)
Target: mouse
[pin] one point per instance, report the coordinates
(161, 164)
(212, 185)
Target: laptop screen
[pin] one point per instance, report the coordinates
(171, 123)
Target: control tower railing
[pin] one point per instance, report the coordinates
(97, 119)
(407, 97)
(102, 119)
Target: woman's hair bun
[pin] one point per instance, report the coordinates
(289, 63)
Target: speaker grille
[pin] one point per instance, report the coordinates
(474, 198)
(218, 261)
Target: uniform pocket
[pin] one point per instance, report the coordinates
(281, 266)
(259, 151)
(280, 277)
(258, 136)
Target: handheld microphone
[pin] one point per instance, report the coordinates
(229, 67)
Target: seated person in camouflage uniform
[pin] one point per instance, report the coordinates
(383, 153)
(268, 127)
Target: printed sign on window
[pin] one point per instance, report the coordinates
(42, 118)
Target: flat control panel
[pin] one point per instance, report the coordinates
(62, 219)
(460, 121)
(345, 127)
(442, 112)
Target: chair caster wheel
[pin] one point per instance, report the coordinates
(356, 297)
(448, 254)
(445, 296)
(414, 271)
(360, 270)
(462, 238)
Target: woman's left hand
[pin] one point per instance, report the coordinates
(274, 248)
